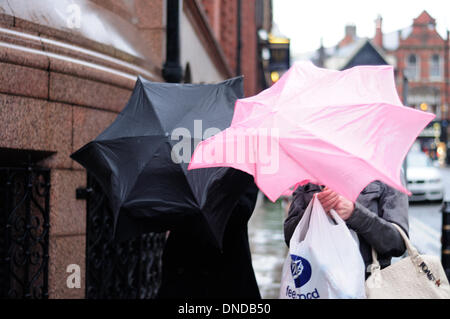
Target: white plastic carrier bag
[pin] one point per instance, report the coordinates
(324, 261)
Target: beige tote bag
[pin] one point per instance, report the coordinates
(414, 277)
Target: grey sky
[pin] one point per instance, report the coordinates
(306, 21)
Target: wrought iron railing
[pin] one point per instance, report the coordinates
(128, 270)
(24, 232)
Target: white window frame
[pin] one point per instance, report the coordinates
(436, 77)
(407, 68)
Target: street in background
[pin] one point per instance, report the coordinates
(424, 179)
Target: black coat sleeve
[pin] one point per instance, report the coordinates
(377, 229)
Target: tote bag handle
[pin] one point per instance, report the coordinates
(412, 251)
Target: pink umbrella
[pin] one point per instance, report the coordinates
(343, 129)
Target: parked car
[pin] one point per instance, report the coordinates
(424, 179)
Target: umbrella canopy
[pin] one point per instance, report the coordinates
(141, 160)
(343, 129)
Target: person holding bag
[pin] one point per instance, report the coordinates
(323, 261)
(379, 217)
(371, 217)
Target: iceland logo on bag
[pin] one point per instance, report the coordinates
(301, 270)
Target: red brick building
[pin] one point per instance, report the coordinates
(242, 57)
(421, 55)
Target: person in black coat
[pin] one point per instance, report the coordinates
(193, 266)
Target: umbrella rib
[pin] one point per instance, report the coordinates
(140, 136)
(190, 189)
(298, 162)
(216, 172)
(137, 175)
(153, 109)
(132, 187)
(184, 175)
(107, 161)
(201, 202)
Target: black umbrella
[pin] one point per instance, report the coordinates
(141, 160)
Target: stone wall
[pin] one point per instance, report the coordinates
(226, 32)
(60, 87)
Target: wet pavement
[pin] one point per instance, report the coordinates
(267, 246)
(425, 221)
(425, 227)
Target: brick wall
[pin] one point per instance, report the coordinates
(249, 58)
(54, 98)
(222, 15)
(424, 41)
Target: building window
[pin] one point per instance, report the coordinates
(436, 109)
(435, 66)
(412, 67)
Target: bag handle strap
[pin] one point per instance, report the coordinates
(412, 251)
